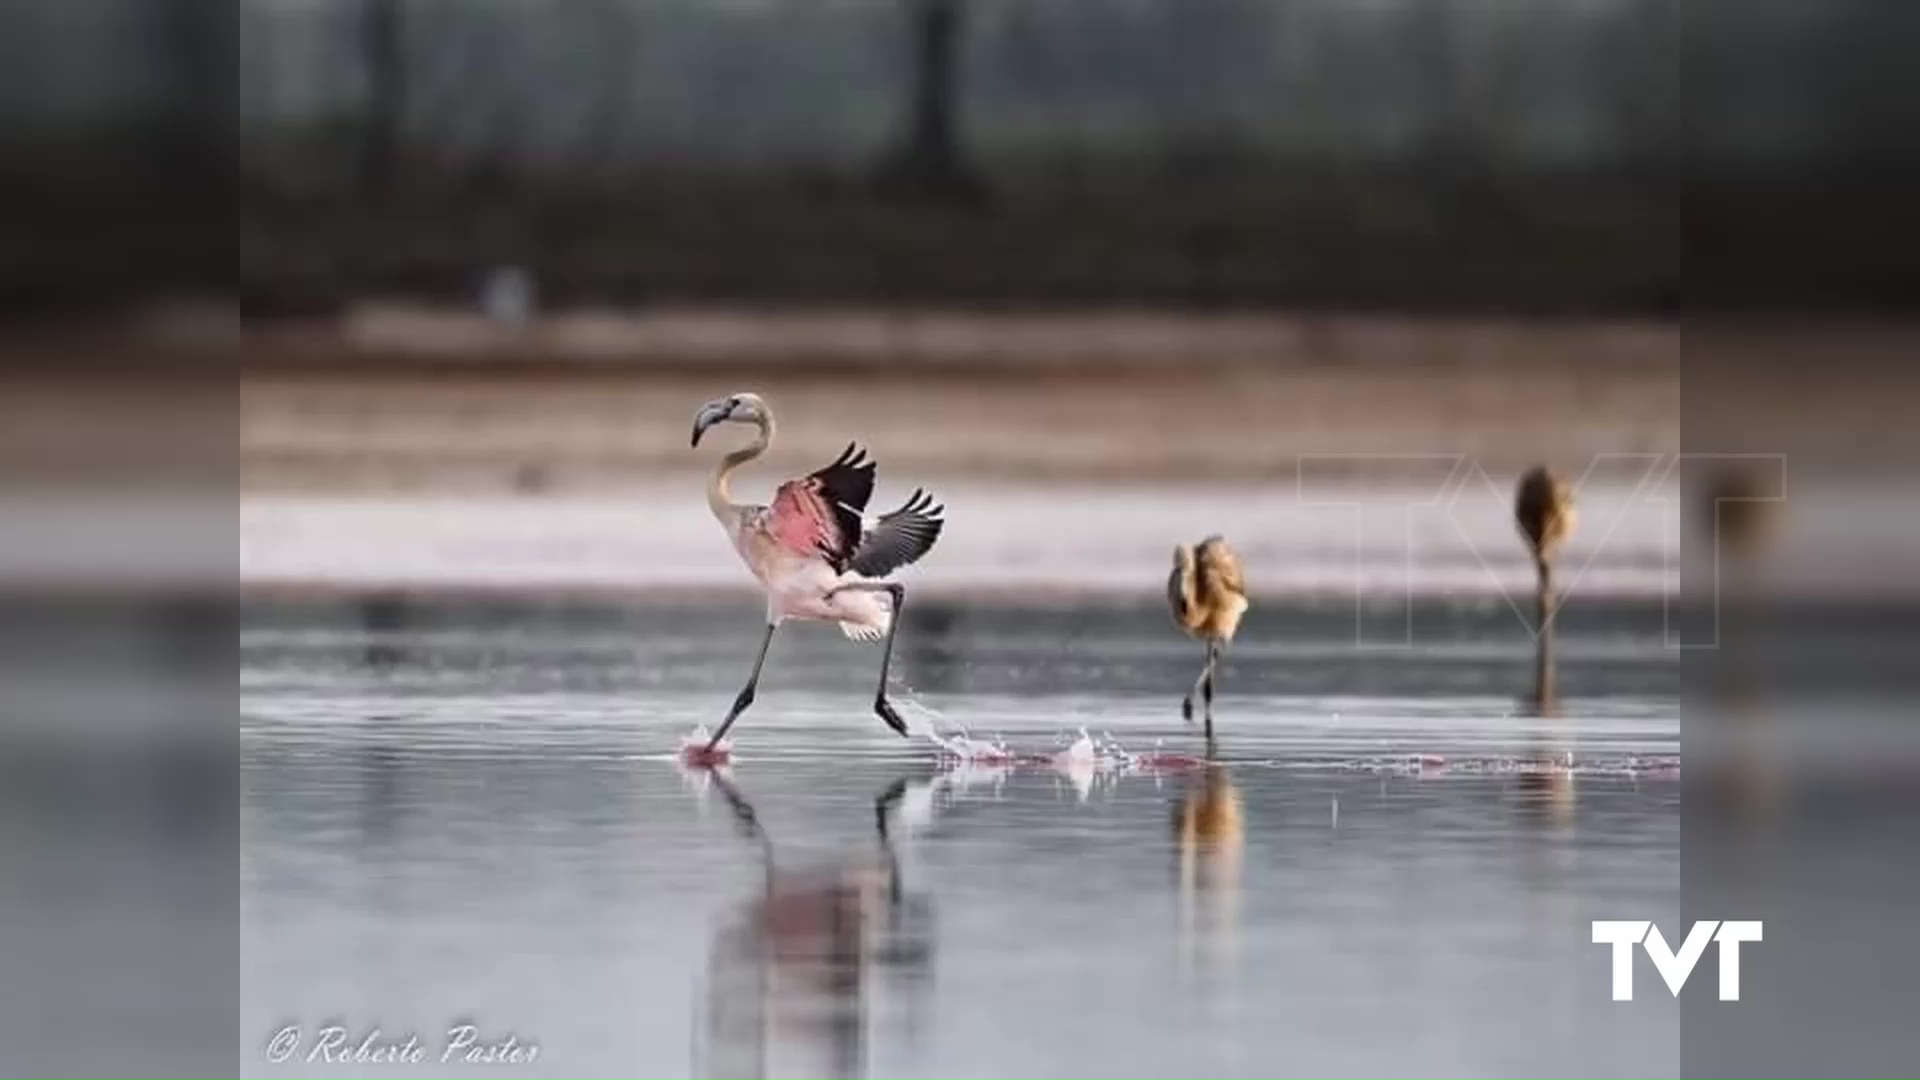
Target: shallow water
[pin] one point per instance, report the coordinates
(474, 813)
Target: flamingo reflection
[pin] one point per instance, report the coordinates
(792, 976)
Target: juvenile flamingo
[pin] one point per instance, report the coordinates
(1543, 509)
(815, 554)
(1208, 596)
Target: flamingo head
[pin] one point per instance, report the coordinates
(736, 408)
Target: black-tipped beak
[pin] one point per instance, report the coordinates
(710, 415)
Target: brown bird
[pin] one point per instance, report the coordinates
(1208, 596)
(1739, 517)
(1740, 521)
(1543, 508)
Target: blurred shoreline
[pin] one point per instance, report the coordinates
(1019, 542)
(412, 447)
(392, 398)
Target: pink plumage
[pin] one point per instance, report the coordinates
(803, 520)
(812, 550)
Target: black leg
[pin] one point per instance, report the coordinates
(880, 703)
(1204, 682)
(746, 694)
(899, 594)
(1206, 685)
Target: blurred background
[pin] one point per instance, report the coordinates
(1106, 275)
(1211, 153)
(504, 249)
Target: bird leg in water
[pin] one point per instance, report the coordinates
(1204, 687)
(746, 694)
(1543, 693)
(881, 705)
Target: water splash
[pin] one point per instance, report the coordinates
(695, 752)
(1081, 753)
(954, 741)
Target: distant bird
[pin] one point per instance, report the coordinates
(1543, 509)
(815, 554)
(1208, 596)
(1740, 518)
(1741, 522)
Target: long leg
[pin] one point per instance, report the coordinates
(1206, 690)
(1203, 683)
(880, 703)
(1543, 627)
(746, 693)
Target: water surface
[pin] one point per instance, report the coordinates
(472, 813)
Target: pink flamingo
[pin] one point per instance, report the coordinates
(815, 554)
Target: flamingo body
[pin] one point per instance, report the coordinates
(813, 550)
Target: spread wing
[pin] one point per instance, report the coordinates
(900, 537)
(819, 513)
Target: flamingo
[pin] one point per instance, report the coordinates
(814, 552)
(1208, 596)
(1543, 509)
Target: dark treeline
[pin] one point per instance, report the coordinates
(1444, 153)
(1539, 154)
(827, 83)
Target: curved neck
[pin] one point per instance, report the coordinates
(718, 498)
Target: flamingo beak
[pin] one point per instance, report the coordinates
(712, 414)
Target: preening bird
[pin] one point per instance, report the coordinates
(1543, 509)
(814, 552)
(1207, 596)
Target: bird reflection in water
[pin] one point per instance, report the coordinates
(1740, 515)
(796, 976)
(1544, 790)
(1209, 839)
